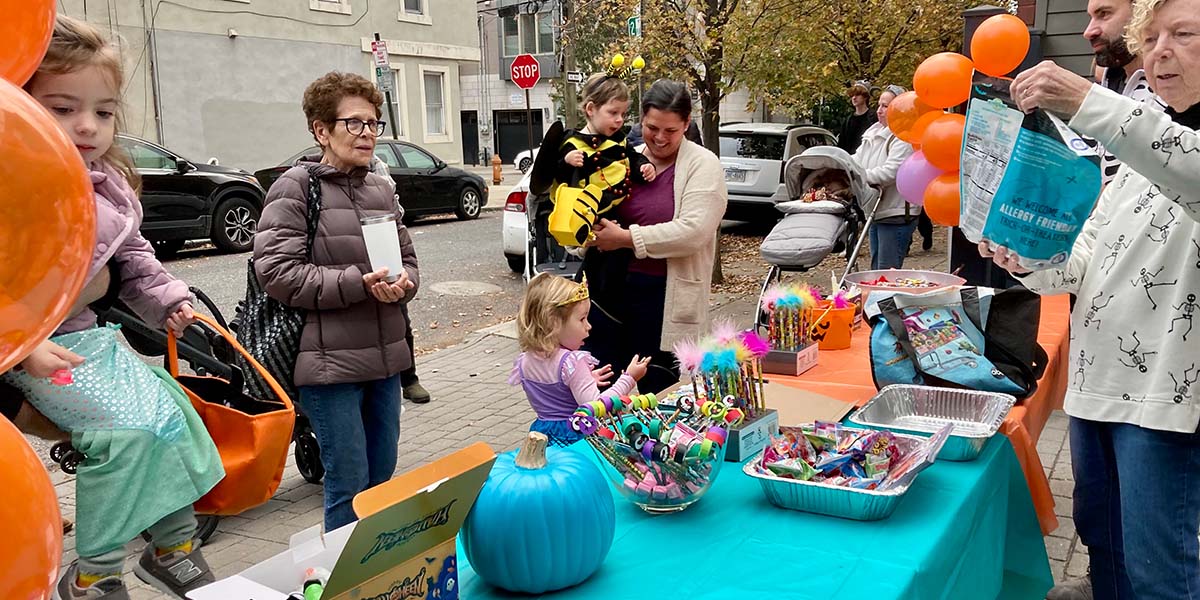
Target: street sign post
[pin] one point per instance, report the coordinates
(526, 72)
(384, 79)
(379, 51)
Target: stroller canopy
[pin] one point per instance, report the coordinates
(800, 171)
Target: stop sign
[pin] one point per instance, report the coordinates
(525, 71)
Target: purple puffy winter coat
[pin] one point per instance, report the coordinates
(146, 286)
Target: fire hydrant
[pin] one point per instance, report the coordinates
(497, 177)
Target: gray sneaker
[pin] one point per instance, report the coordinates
(1076, 589)
(176, 573)
(109, 588)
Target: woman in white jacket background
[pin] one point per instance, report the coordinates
(880, 156)
(1134, 357)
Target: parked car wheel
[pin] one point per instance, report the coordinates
(234, 225)
(525, 164)
(167, 248)
(469, 204)
(515, 262)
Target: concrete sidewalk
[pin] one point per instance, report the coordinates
(473, 401)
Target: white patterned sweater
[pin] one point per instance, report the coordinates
(1134, 354)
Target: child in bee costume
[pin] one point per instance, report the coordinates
(587, 171)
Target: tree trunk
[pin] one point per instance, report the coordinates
(710, 122)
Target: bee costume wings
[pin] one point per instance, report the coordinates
(581, 194)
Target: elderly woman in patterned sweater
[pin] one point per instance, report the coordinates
(1133, 404)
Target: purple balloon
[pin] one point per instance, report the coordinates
(914, 176)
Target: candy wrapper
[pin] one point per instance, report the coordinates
(908, 466)
(794, 468)
(830, 454)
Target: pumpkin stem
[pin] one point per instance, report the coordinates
(532, 454)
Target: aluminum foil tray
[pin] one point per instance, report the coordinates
(918, 409)
(832, 500)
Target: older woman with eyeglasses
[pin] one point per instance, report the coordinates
(1134, 403)
(353, 346)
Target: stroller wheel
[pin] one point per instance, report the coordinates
(70, 461)
(59, 451)
(308, 457)
(762, 319)
(206, 526)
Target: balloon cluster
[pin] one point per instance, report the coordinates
(47, 226)
(930, 176)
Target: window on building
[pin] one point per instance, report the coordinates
(435, 108)
(545, 25)
(333, 6)
(528, 34)
(512, 36)
(414, 7)
(396, 123)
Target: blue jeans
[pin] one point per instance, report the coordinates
(358, 428)
(889, 244)
(1137, 509)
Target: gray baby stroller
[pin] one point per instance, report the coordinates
(812, 230)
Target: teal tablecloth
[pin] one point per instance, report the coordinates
(963, 531)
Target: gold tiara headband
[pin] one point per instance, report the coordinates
(579, 295)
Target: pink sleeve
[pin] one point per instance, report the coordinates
(514, 378)
(577, 373)
(146, 285)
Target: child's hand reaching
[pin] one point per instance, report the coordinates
(637, 367)
(49, 358)
(574, 158)
(602, 376)
(648, 172)
(181, 319)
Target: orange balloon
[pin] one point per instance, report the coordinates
(903, 113)
(944, 79)
(27, 29)
(999, 45)
(33, 543)
(942, 199)
(47, 224)
(942, 141)
(918, 129)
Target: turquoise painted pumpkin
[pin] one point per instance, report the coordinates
(536, 529)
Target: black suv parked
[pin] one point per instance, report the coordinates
(185, 200)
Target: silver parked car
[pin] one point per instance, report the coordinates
(753, 155)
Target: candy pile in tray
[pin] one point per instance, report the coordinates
(903, 282)
(831, 454)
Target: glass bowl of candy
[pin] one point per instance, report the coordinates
(903, 280)
(661, 461)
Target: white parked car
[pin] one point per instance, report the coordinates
(518, 239)
(515, 226)
(753, 155)
(525, 159)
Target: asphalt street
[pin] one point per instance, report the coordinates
(465, 283)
